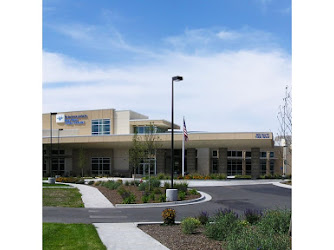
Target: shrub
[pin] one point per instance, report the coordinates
(252, 215)
(250, 238)
(162, 198)
(143, 186)
(169, 215)
(203, 217)
(152, 196)
(181, 187)
(126, 183)
(182, 195)
(222, 212)
(243, 177)
(157, 191)
(189, 225)
(166, 185)
(154, 183)
(275, 221)
(90, 182)
(193, 191)
(128, 197)
(70, 180)
(145, 198)
(97, 183)
(111, 184)
(223, 225)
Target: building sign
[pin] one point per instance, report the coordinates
(60, 118)
(75, 119)
(260, 136)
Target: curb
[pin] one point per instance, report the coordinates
(204, 197)
(282, 185)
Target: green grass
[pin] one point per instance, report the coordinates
(70, 237)
(53, 185)
(62, 197)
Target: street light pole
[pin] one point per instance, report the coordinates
(176, 79)
(50, 160)
(59, 129)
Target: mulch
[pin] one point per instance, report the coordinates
(173, 238)
(115, 198)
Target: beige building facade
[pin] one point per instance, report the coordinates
(97, 143)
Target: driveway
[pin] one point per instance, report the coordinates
(238, 198)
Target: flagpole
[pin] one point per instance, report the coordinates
(183, 149)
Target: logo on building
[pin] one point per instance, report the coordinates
(60, 118)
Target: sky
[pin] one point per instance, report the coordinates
(234, 56)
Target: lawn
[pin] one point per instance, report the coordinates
(70, 236)
(62, 197)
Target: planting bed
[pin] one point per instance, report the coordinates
(115, 198)
(173, 238)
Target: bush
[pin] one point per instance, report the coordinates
(169, 216)
(167, 185)
(71, 180)
(192, 191)
(252, 215)
(243, 177)
(275, 221)
(222, 212)
(152, 197)
(181, 187)
(250, 238)
(223, 225)
(189, 225)
(157, 191)
(154, 183)
(90, 182)
(162, 198)
(128, 197)
(111, 184)
(203, 217)
(182, 195)
(145, 198)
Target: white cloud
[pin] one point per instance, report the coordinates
(234, 91)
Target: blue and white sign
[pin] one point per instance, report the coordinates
(60, 118)
(260, 136)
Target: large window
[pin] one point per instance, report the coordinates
(234, 167)
(146, 129)
(101, 165)
(263, 167)
(101, 127)
(272, 167)
(234, 153)
(214, 165)
(58, 166)
(248, 167)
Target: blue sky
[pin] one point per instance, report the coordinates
(235, 57)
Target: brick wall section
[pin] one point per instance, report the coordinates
(255, 163)
(222, 161)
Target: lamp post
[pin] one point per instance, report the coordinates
(59, 129)
(176, 79)
(50, 160)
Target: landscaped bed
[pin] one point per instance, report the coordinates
(224, 230)
(149, 191)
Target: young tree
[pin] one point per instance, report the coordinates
(284, 135)
(82, 160)
(136, 153)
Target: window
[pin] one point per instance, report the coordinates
(101, 127)
(234, 167)
(272, 155)
(146, 129)
(58, 166)
(272, 167)
(214, 153)
(263, 167)
(101, 165)
(248, 154)
(214, 165)
(234, 153)
(263, 154)
(248, 167)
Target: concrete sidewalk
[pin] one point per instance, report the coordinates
(126, 236)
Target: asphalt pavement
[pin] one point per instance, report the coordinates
(116, 224)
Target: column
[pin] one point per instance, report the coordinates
(222, 161)
(191, 160)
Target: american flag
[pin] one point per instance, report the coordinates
(185, 133)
